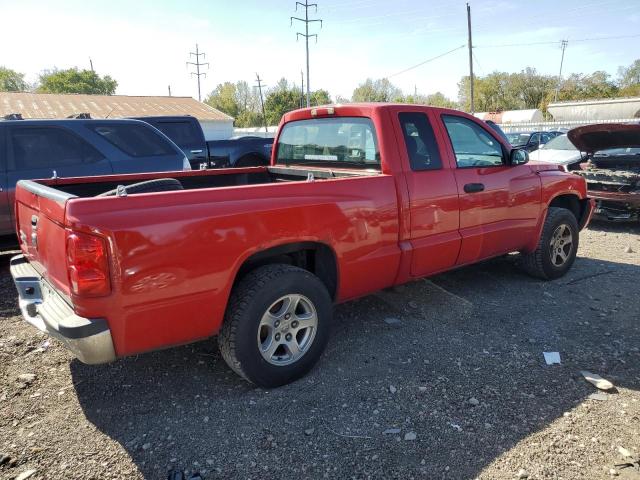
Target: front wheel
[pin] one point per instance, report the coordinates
(276, 326)
(557, 248)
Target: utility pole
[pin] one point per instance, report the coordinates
(198, 64)
(470, 56)
(306, 35)
(260, 85)
(91, 64)
(301, 89)
(563, 45)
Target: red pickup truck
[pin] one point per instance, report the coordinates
(357, 198)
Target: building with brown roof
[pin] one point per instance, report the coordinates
(216, 125)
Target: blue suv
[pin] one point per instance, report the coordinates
(78, 148)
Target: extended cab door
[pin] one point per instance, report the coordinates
(499, 203)
(433, 196)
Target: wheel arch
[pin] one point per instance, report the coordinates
(572, 202)
(315, 257)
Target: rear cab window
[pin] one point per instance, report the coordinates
(347, 142)
(136, 140)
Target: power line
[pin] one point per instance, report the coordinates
(198, 64)
(556, 42)
(427, 61)
(306, 34)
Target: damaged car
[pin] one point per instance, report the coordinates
(611, 169)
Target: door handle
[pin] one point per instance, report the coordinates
(474, 187)
(196, 151)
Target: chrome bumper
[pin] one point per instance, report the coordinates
(44, 308)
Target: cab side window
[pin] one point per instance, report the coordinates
(420, 141)
(48, 147)
(472, 145)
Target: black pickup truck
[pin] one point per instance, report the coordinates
(186, 132)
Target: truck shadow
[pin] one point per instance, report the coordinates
(477, 332)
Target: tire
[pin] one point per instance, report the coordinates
(150, 186)
(546, 262)
(252, 160)
(255, 302)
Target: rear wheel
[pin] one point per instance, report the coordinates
(557, 247)
(276, 326)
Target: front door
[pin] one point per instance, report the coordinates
(499, 203)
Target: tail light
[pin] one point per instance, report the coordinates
(87, 265)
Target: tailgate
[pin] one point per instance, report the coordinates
(40, 213)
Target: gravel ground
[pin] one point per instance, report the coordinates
(442, 378)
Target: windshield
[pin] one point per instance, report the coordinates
(516, 139)
(560, 143)
(614, 152)
(338, 141)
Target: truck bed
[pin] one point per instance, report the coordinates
(92, 186)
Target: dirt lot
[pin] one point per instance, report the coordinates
(437, 379)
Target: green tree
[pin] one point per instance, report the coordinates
(223, 98)
(629, 79)
(12, 81)
(320, 97)
(629, 76)
(381, 90)
(73, 80)
(281, 99)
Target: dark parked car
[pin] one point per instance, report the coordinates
(186, 132)
(78, 148)
(529, 140)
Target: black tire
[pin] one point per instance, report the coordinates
(249, 301)
(539, 263)
(253, 160)
(150, 186)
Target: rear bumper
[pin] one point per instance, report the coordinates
(88, 339)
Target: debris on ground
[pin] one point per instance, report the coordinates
(410, 436)
(392, 321)
(474, 401)
(391, 431)
(601, 397)
(624, 452)
(392, 389)
(597, 381)
(552, 358)
(522, 473)
(26, 474)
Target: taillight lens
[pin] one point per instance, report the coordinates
(88, 265)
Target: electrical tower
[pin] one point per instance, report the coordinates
(198, 64)
(260, 85)
(306, 35)
(563, 45)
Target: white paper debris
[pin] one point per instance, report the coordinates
(552, 357)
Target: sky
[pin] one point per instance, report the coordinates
(145, 44)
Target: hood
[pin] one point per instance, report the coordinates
(558, 157)
(593, 138)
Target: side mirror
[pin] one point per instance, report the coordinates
(518, 156)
